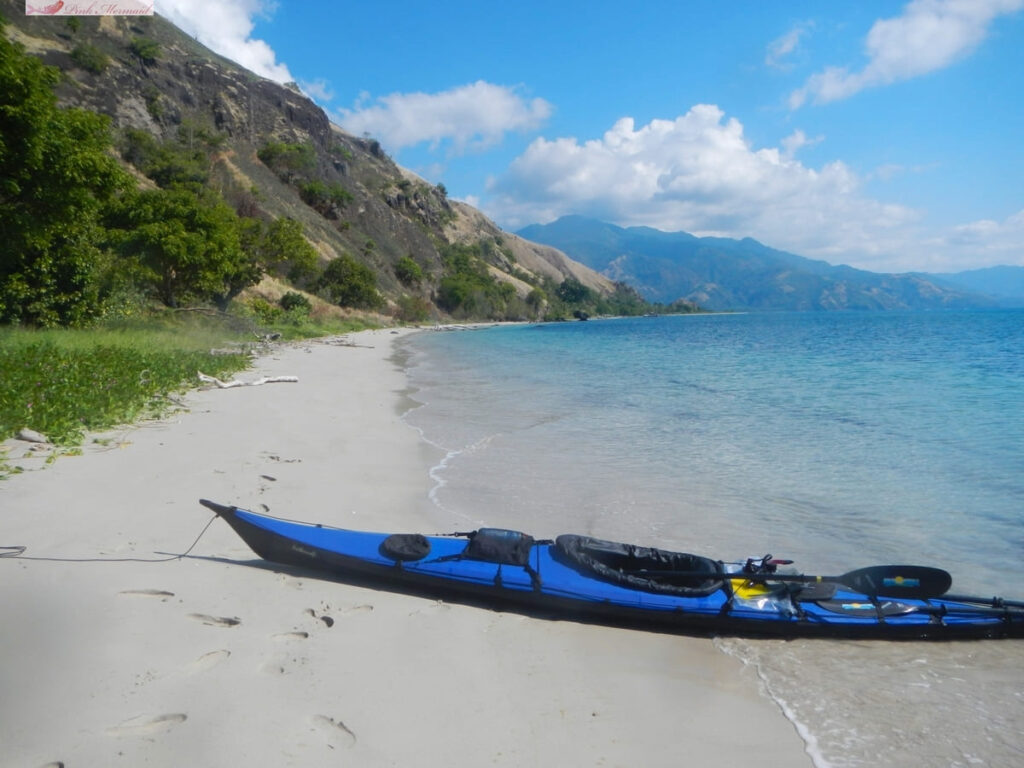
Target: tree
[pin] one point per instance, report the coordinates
(55, 178)
(184, 245)
(572, 291)
(280, 245)
(348, 283)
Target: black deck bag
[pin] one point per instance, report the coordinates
(646, 568)
(405, 546)
(497, 545)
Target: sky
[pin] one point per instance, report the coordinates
(884, 135)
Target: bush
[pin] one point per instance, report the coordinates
(412, 309)
(264, 312)
(166, 163)
(145, 50)
(325, 199)
(90, 58)
(292, 301)
(348, 283)
(468, 289)
(287, 160)
(408, 271)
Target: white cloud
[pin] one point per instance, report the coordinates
(797, 141)
(226, 27)
(699, 173)
(928, 36)
(782, 47)
(318, 90)
(996, 242)
(471, 117)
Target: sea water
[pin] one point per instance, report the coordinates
(839, 440)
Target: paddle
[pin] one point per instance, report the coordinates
(916, 582)
(992, 602)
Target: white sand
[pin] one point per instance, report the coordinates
(219, 660)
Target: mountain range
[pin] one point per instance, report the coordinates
(727, 274)
(149, 77)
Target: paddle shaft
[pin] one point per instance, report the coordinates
(907, 581)
(992, 602)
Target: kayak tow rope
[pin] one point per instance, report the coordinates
(18, 552)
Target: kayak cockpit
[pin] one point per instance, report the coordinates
(645, 568)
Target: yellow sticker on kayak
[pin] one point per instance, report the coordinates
(750, 590)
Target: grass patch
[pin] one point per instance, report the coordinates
(64, 383)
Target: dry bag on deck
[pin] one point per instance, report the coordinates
(405, 546)
(497, 545)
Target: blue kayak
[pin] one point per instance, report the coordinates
(587, 579)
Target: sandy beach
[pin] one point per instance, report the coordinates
(114, 654)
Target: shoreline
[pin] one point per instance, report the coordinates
(220, 658)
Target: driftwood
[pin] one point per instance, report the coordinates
(236, 383)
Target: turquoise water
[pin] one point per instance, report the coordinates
(838, 440)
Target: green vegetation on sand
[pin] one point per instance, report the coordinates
(64, 383)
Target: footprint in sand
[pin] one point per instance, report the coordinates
(327, 620)
(338, 734)
(364, 608)
(434, 607)
(216, 621)
(284, 637)
(144, 725)
(206, 661)
(161, 593)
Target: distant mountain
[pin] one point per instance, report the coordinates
(1004, 284)
(722, 273)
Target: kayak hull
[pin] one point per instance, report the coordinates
(544, 584)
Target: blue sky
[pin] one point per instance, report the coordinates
(885, 135)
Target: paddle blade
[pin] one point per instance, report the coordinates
(906, 581)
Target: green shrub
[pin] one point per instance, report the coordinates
(468, 289)
(412, 309)
(66, 384)
(145, 50)
(287, 160)
(325, 199)
(90, 58)
(264, 312)
(408, 271)
(295, 302)
(166, 163)
(348, 283)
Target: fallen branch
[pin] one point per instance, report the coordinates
(236, 383)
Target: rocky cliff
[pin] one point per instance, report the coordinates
(147, 75)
